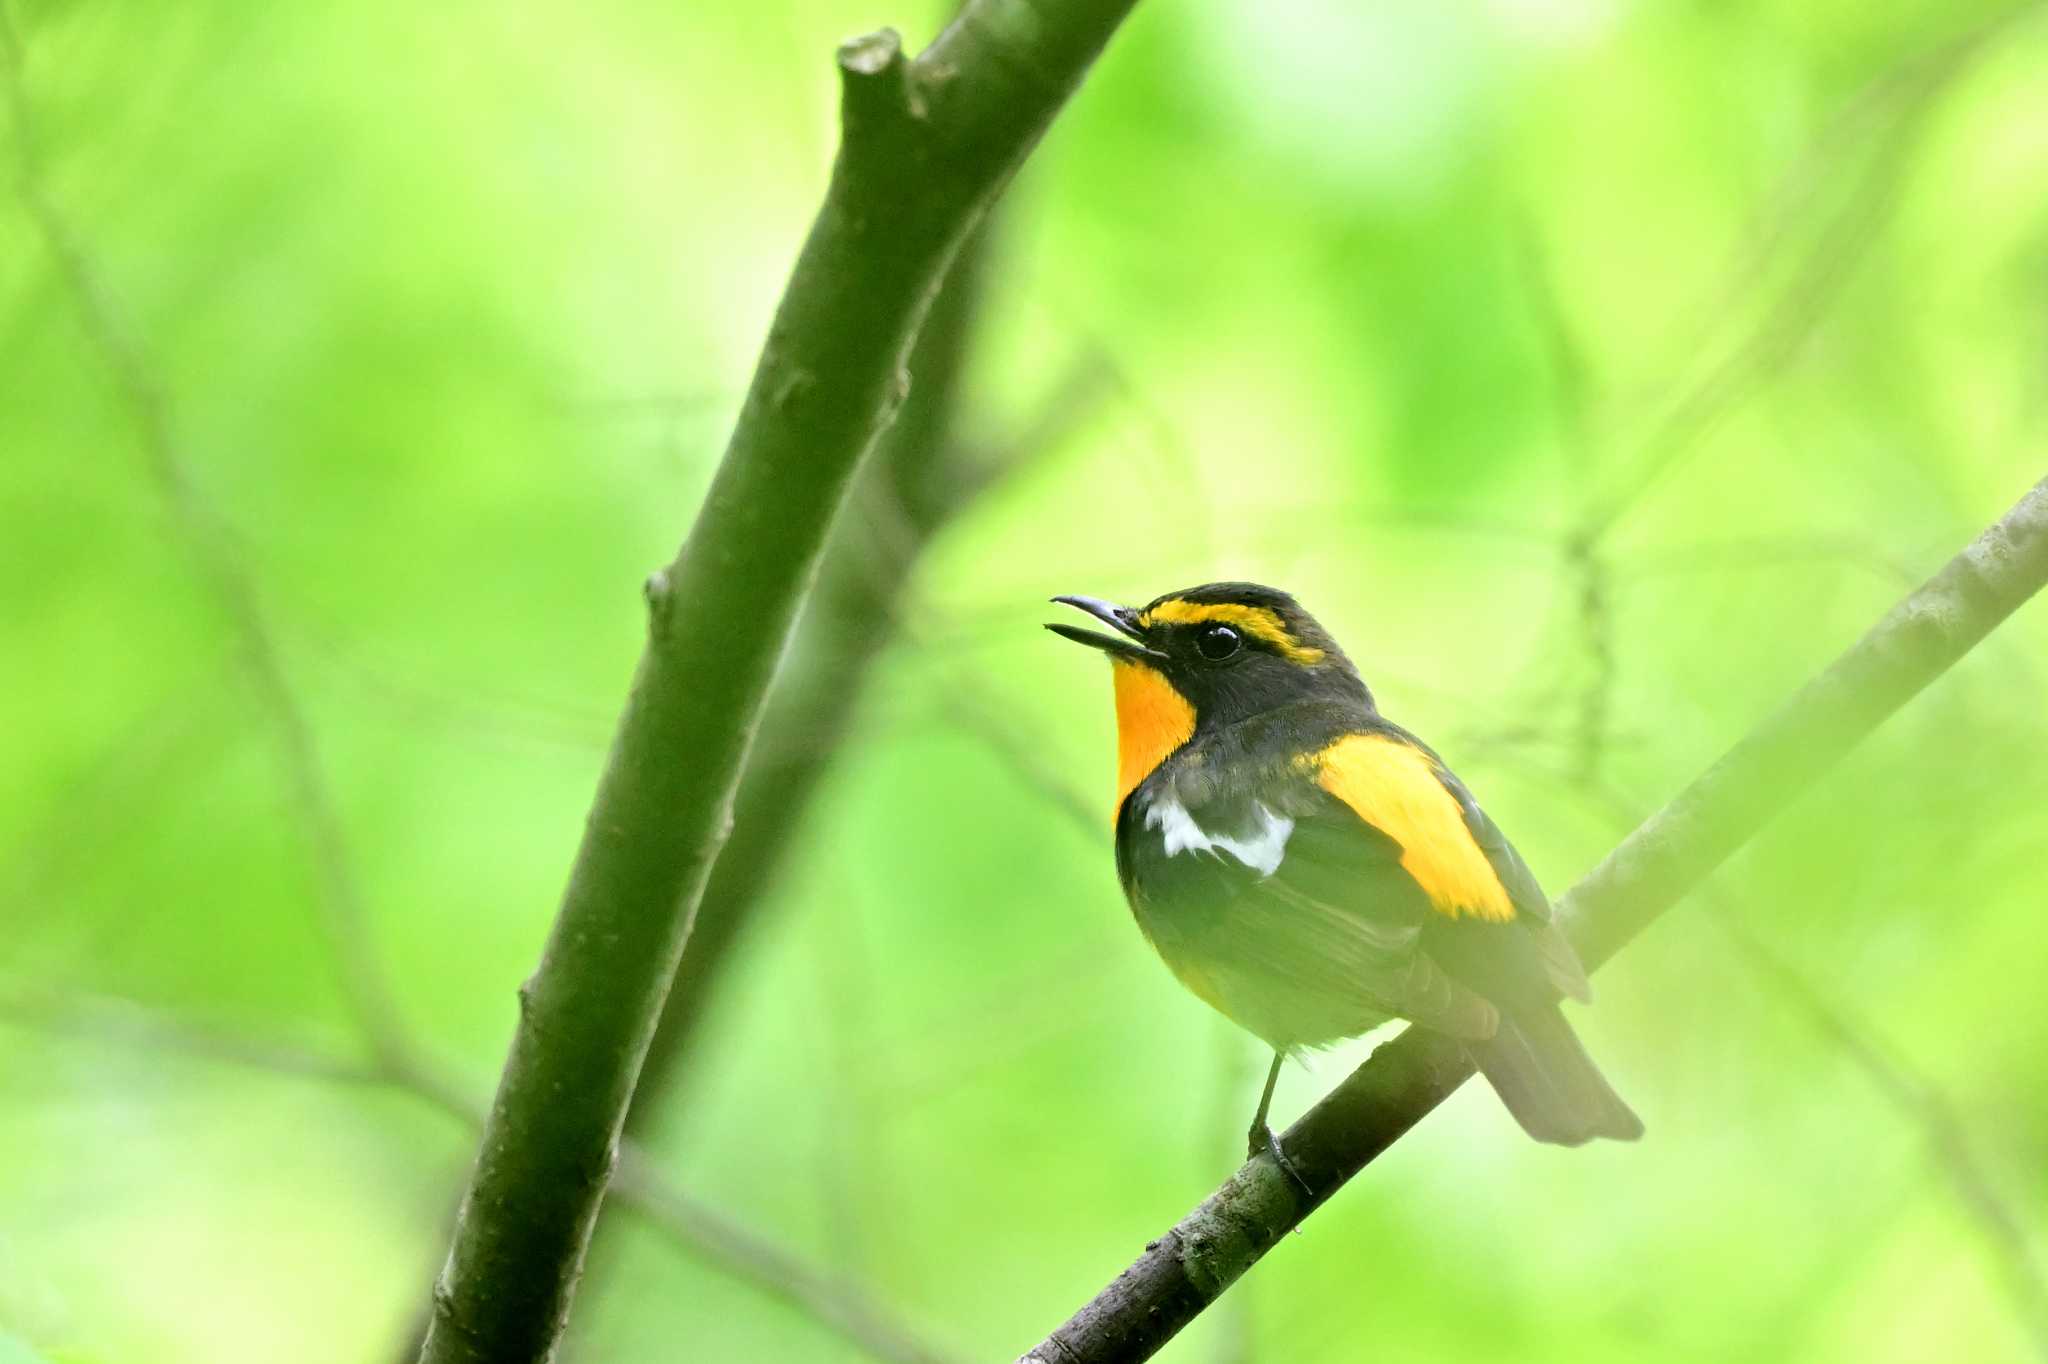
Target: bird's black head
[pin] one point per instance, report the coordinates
(1227, 651)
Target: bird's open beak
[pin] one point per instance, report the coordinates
(1121, 619)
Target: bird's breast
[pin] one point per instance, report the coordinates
(1209, 885)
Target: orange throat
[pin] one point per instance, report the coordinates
(1152, 720)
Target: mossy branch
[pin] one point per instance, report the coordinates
(926, 145)
(1673, 851)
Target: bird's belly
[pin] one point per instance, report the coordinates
(1289, 1008)
(1281, 973)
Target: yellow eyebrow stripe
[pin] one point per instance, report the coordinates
(1394, 787)
(1261, 621)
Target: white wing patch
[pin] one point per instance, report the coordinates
(1261, 851)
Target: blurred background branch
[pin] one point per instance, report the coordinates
(213, 558)
(1900, 103)
(2007, 1240)
(705, 1234)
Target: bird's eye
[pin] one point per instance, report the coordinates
(1218, 642)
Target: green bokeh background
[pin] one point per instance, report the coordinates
(450, 308)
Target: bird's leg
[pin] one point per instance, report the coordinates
(1261, 1139)
(1261, 1136)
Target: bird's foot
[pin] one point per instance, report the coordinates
(1262, 1141)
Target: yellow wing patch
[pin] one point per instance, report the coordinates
(1152, 720)
(1394, 788)
(1256, 620)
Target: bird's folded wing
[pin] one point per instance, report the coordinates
(1491, 924)
(1398, 788)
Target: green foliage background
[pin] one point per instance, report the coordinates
(450, 307)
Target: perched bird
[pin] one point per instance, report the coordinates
(1311, 869)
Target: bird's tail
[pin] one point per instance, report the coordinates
(1537, 1065)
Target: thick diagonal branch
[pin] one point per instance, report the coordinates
(926, 146)
(845, 628)
(1653, 868)
(931, 469)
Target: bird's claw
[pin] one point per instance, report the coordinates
(1262, 1141)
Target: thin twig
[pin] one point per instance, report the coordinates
(774, 1272)
(973, 713)
(1069, 404)
(1593, 579)
(124, 1022)
(1907, 94)
(1771, 552)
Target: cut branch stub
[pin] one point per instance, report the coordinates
(876, 88)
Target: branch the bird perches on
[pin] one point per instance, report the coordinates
(1190, 1266)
